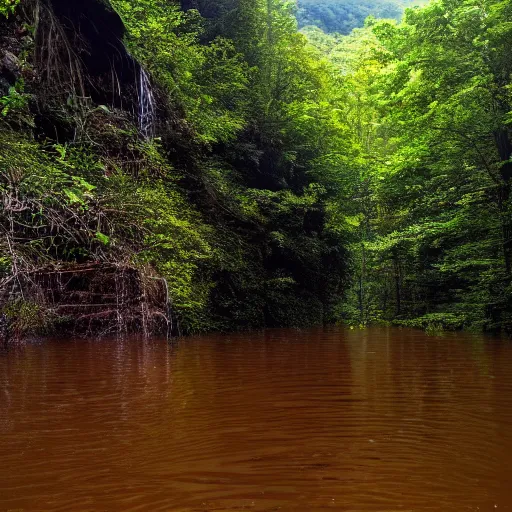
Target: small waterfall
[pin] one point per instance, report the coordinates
(146, 105)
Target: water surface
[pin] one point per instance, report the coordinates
(375, 420)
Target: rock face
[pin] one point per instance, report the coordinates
(10, 63)
(10, 66)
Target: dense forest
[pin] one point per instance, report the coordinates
(206, 166)
(342, 16)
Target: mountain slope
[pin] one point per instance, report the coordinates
(344, 15)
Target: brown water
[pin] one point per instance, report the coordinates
(376, 420)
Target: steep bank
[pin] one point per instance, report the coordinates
(160, 173)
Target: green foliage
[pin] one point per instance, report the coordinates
(177, 244)
(427, 104)
(8, 6)
(435, 323)
(230, 203)
(47, 211)
(27, 318)
(208, 81)
(344, 16)
(15, 100)
(14, 106)
(281, 162)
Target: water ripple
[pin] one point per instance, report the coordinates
(375, 420)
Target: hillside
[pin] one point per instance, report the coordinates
(159, 172)
(343, 16)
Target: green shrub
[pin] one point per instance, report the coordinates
(27, 318)
(8, 6)
(434, 322)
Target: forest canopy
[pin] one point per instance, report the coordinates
(342, 16)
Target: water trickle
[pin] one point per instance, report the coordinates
(146, 105)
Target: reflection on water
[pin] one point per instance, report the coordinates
(375, 420)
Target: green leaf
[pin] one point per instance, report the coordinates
(101, 237)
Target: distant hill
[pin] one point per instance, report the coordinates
(344, 15)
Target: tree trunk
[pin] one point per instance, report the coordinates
(396, 265)
(361, 286)
(504, 147)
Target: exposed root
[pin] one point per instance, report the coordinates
(89, 300)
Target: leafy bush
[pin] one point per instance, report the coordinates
(435, 322)
(8, 6)
(27, 318)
